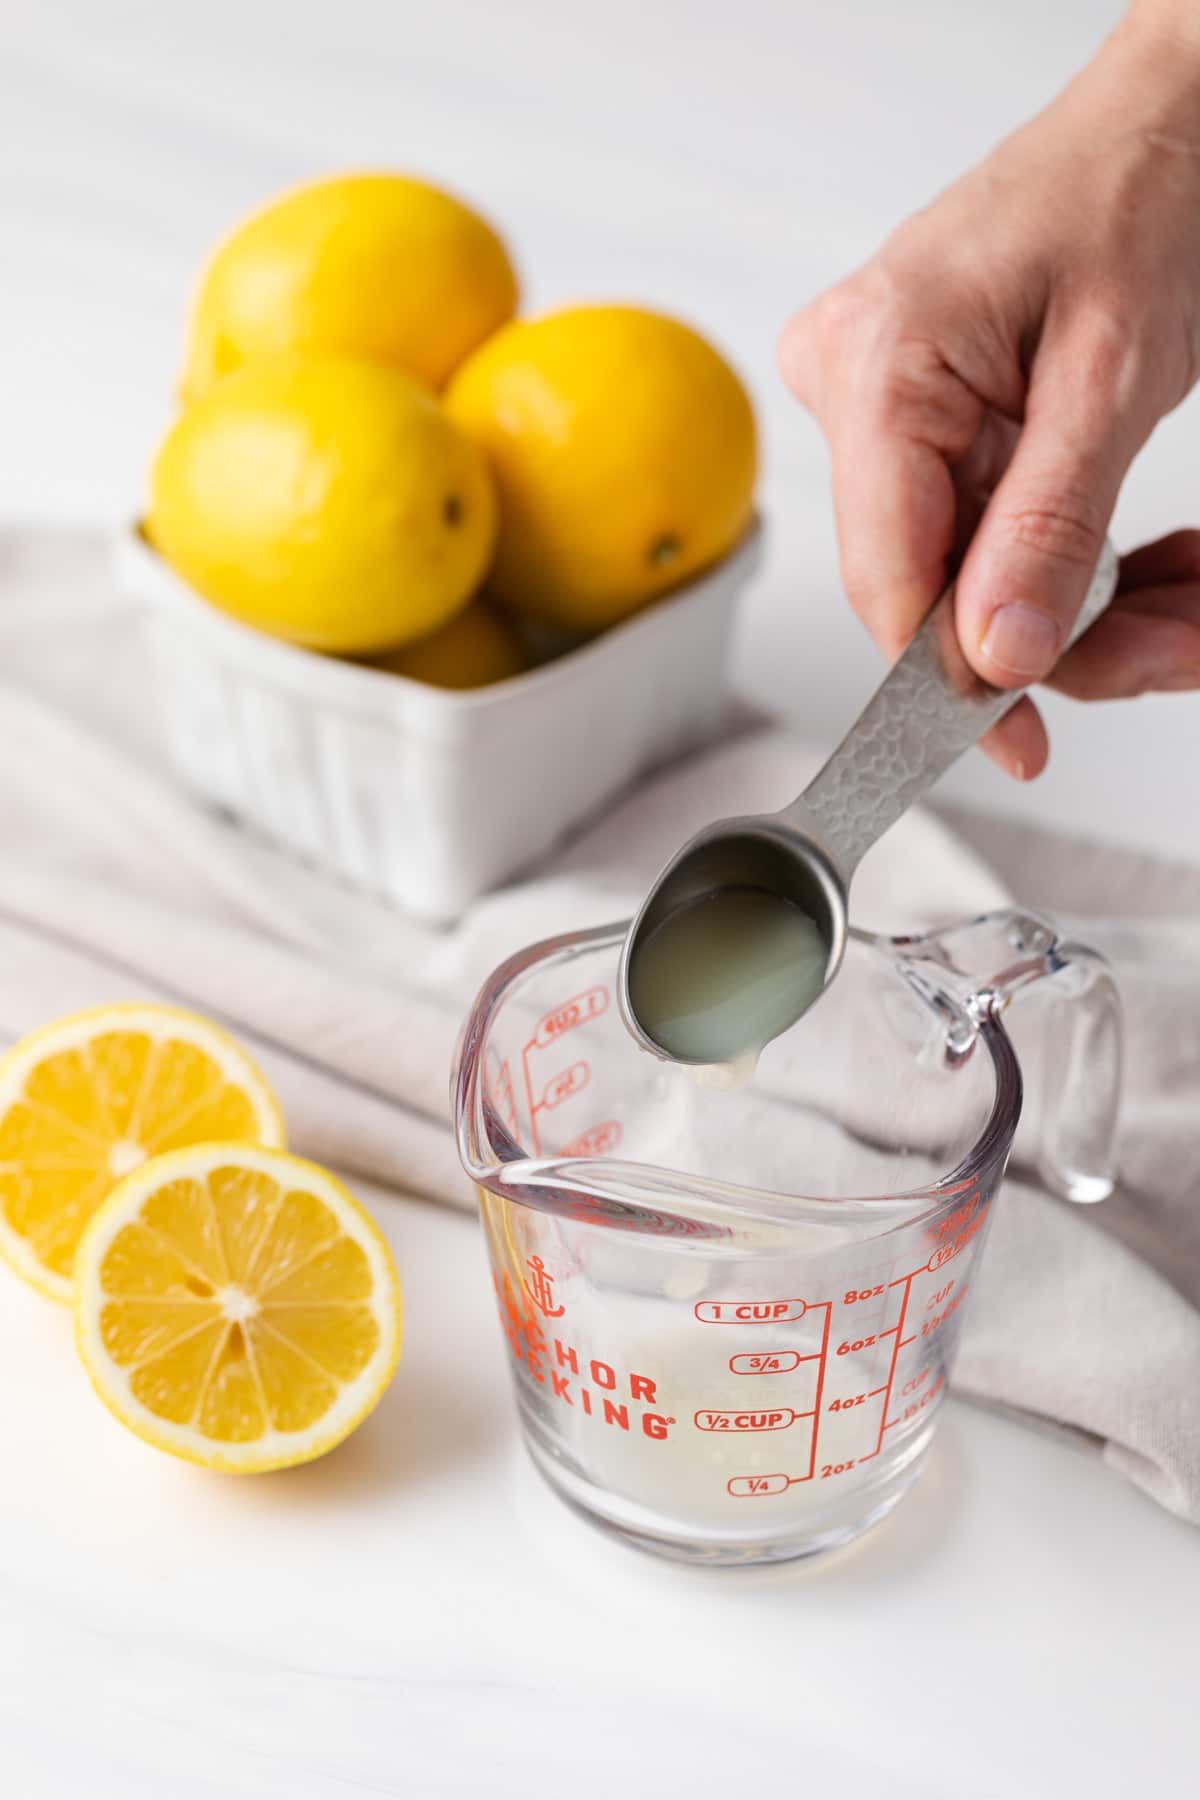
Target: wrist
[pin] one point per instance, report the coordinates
(1146, 76)
(1160, 38)
(1175, 20)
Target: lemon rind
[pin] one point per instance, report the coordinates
(275, 1449)
(78, 1028)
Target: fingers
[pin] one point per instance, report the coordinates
(1148, 642)
(1027, 570)
(1149, 639)
(916, 453)
(895, 509)
(977, 476)
(1173, 558)
(920, 459)
(1019, 744)
(896, 418)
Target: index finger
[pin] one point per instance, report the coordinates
(895, 508)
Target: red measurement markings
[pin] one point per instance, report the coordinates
(549, 1029)
(953, 1223)
(957, 1229)
(778, 1420)
(597, 1140)
(849, 1400)
(946, 1251)
(931, 1325)
(898, 1329)
(916, 1406)
(849, 1345)
(570, 1081)
(749, 1312)
(824, 1352)
(757, 1362)
(751, 1487)
(566, 1017)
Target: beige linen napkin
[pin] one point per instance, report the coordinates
(115, 885)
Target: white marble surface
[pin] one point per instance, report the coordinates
(415, 1616)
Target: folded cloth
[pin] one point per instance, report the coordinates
(116, 885)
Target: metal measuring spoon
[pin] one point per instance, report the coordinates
(929, 709)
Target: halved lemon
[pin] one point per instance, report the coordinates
(237, 1307)
(85, 1101)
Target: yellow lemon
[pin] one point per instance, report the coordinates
(86, 1100)
(475, 649)
(377, 266)
(236, 1307)
(328, 501)
(624, 453)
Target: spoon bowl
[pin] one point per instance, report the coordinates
(762, 854)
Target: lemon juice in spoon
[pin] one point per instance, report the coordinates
(724, 974)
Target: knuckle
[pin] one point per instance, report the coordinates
(793, 349)
(923, 398)
(821, 332)
(1066, 527)
(850, 311)
(1129, 366)
(881, 287)
(1108, 340)
(841, 323)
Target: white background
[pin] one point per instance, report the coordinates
(415, 1617)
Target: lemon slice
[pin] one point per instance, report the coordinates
(85, 1101)
(237, 1307)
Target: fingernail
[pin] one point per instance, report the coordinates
(1022, 640)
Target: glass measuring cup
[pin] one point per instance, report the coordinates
(731, 1316)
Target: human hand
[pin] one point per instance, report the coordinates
(988, 377)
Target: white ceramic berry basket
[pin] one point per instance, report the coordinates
(423, 796)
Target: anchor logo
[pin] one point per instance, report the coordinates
(539, 1285)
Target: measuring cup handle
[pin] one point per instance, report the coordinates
(1081, 1068)
(1011, 956)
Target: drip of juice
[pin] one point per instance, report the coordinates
(723, 975)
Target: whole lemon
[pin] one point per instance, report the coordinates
(378, 266)
(327, 501)
(475, 649)
(624, 451)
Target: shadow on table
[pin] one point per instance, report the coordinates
(432, 1423)
(916, 1531)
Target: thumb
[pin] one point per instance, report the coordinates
(1027, 570)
